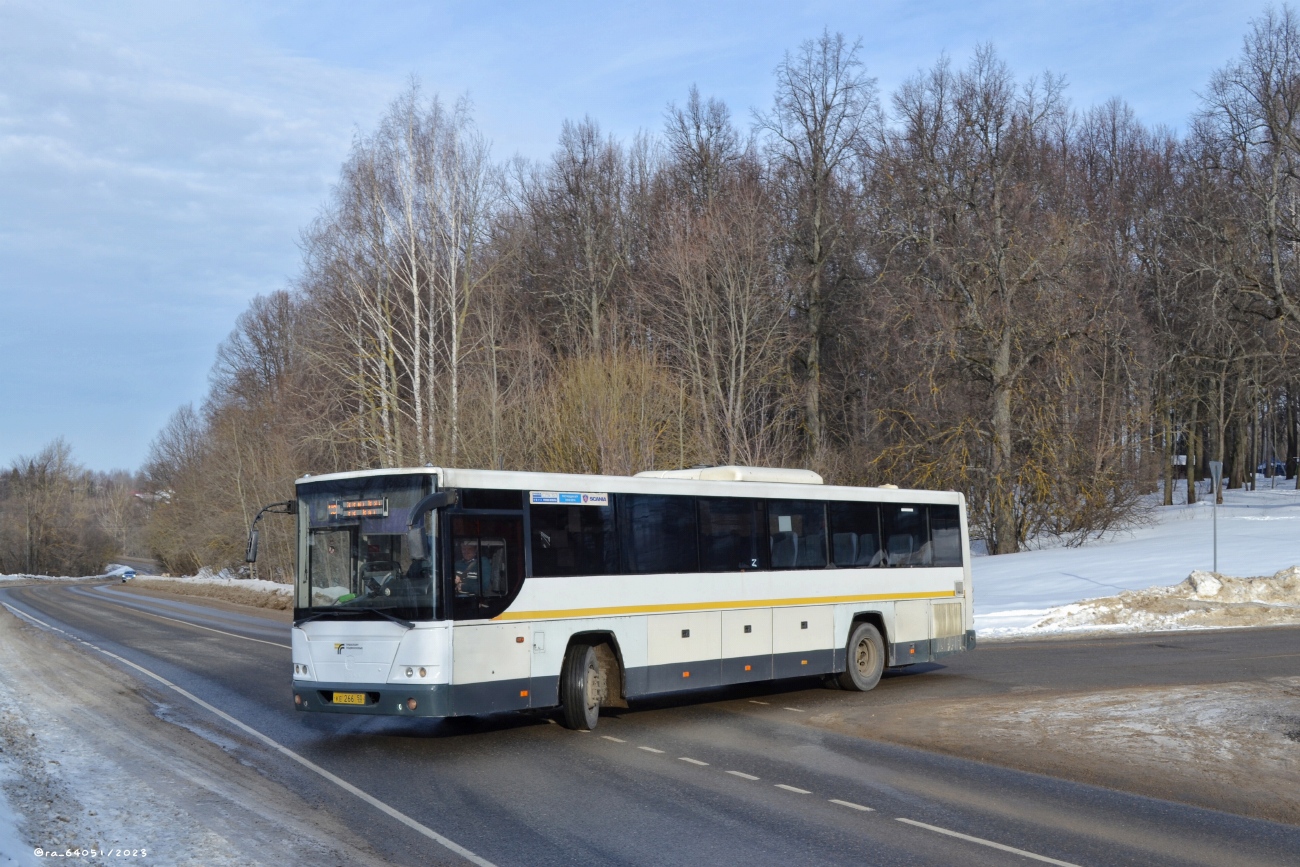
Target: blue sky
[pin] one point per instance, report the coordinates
(158, 161)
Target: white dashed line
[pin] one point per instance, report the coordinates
(792, 789)
(650, 749)
(742, 776)
(795, 709)
(852, 806)
(615, 740)
(988, 843)
(693, 761)
(751, 701)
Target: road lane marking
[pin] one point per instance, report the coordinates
(742, 776)
(277, 746)
(751, 701)
(693, 761)
(792, 789)
(614, 739)
(852, 806)
(650, 749)
(989, 843)
(795, 709)
(135, 610)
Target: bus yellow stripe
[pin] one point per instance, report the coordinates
(681, 607)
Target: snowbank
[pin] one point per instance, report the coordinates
(1258, 534)
(222, 585)
(225, 586)
(1205, 600)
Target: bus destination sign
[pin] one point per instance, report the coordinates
(567, 498)
(374, 508)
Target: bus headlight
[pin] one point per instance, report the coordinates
(409, 671)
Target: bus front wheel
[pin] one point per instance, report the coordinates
(866, 659)
(580, 688)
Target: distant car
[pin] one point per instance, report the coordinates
(1279, 469)
(126, 573)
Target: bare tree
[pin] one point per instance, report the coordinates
(821, 118)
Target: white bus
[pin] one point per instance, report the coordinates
(443, 592)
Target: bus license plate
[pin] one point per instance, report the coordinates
(349, 698)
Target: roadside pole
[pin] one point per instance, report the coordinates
(1216, 476)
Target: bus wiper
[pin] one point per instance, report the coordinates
(393, 617)
(319, 614)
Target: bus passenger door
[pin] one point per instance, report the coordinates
(491, 660)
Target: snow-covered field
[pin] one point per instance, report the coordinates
(1028, 593)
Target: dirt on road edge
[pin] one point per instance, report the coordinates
(91, 758)
(1233, 747)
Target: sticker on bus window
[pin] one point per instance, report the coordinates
(567, 498)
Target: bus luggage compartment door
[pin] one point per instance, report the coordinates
(803, 640)
(492, 665)
(684, 651)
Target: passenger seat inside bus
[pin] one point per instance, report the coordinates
(785, 548)
(846, 549)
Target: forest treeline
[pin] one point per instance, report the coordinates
(59, 518)
(965, 284)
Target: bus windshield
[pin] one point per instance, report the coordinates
(354, 557)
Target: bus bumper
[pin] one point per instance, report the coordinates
(431, 700)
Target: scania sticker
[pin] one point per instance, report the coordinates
(567, 498)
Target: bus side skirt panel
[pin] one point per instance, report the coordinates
(493, 696)
(802, 663)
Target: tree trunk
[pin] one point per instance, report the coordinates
(1003, 499)
(1168, 451)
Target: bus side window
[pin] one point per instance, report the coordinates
(729, 534)
(797, 533)
(487, 565)
(573, 540)
(855, 531)
(945, 533)
(904, 531)
(657, 534)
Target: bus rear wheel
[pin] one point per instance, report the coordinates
(580, 692)
(866, 659)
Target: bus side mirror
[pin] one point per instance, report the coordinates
(414, 528)
(415, 543)
(250, 556)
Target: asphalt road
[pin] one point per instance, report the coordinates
(726, 777)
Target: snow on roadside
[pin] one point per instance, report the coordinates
(224, 585)
(1206, 600)
(224, 578)
(10, 840)
(1258, 534)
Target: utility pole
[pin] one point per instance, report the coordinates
(1216, 475)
